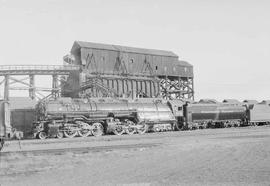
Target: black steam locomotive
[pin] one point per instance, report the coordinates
(67, 117)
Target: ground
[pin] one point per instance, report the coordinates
(233, 156)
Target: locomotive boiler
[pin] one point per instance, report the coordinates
(83, 117)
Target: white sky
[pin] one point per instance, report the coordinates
(227, 42)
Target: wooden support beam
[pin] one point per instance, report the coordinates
(1, 82)
(55, 86)
(43, 96)
(6, 89)
(14, 80)
(32, 92)
(36, 89)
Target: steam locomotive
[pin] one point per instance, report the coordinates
(67, 117)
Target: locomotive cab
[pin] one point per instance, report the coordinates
(178, 109)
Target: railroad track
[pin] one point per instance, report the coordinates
(94, 144)
(78, 150)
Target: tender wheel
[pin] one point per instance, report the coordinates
(118, 130)
(157, 129)
(235, 125)
(194, 127)
(169, 128)
(60, 135)
(176, 127)
(42, 135)
(70, 133)
(142, 128)
(98, 129)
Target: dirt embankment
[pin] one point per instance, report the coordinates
(236, 156)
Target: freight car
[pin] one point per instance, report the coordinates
(259, 114)
(83, 117)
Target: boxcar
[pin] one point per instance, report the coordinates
(259, 113)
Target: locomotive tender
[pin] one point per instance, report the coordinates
(211, 114)
(67, 117)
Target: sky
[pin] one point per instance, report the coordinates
(227, 41)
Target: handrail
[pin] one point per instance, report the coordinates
(39, 67)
